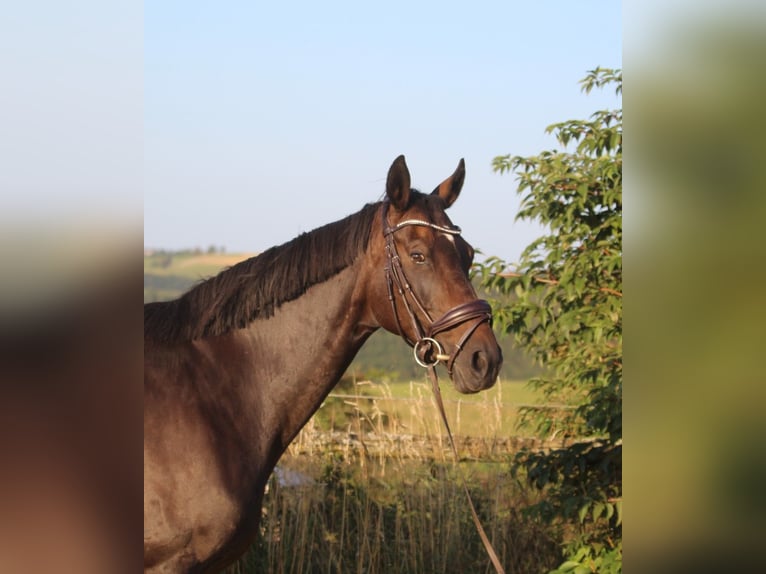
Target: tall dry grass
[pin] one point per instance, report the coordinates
(370, 496)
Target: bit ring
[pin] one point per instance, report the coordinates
(439, 356)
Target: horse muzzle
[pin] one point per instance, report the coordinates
(475, 359)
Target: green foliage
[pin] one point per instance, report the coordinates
(566, 311)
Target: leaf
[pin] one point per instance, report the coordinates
(583, 512)
(598, 333)
(598, 509)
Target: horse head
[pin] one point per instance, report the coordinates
(428, 298)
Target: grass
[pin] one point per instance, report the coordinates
(190, 265)
(414, 520)
(379, 491)
(168, 275)
(408, 408)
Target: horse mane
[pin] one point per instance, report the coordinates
(256, 287)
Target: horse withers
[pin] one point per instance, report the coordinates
(236, 366)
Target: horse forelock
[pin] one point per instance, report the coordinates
(256, 287)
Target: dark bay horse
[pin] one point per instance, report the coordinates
(236, 366)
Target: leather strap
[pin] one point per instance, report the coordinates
(477, 308)
(480, 529)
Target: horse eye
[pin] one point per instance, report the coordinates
(418, 257)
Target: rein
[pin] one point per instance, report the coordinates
(480, 529)
(427, 350)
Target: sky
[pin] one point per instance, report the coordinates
(265, 120)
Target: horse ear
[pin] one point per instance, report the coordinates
(398, 184)
(450, 188)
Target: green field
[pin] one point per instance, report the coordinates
(190, 265)
(409, 409)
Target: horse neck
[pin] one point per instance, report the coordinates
(301, 352)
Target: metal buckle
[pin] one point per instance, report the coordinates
(439, 356)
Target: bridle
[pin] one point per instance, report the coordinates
(427, 350)
(473, 312)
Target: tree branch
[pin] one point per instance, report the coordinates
(509, 274)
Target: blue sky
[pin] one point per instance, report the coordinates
(264, 120)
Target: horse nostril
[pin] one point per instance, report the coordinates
(479, 362)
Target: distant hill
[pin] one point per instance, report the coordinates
(385, 356)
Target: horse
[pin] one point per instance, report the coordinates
(235, 367)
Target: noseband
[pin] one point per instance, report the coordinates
(427, 350)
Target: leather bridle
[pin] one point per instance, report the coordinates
(426, 348)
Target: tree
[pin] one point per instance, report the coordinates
(566, 311)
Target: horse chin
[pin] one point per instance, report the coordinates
(477, 372)
(470, 387)
(468, 382)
